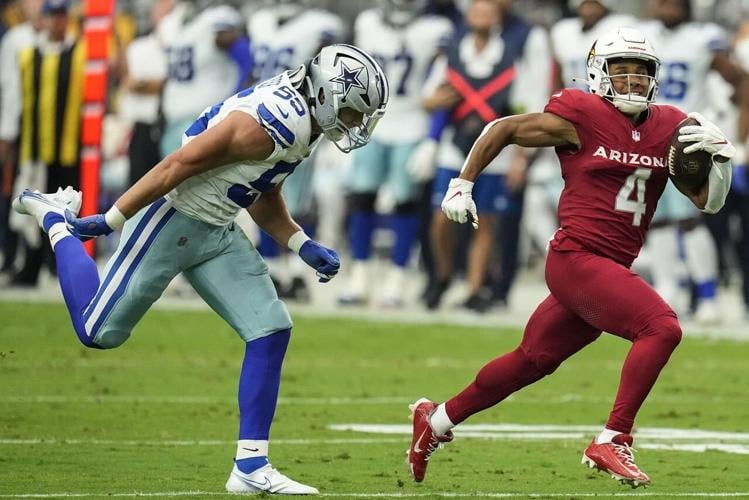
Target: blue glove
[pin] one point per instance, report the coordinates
(86, 228)
(324, 260)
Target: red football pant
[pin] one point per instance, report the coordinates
(589, 294)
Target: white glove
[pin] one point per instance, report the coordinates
(718, 184)
(706, 137)
(458, 203)
(423, 161)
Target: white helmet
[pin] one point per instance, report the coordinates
(343, 76)
(624, 43)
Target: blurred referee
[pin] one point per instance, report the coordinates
(50, 90)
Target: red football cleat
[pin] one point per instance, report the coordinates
(424, 442)
(617, 459)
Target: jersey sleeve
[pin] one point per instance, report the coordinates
(282, 119)
(567, 104)
(716, 37)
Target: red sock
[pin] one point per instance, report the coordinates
(494, 382)
(647, 357)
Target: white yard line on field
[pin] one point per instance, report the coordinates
(398, 494)
(197, 442)
(321, 401)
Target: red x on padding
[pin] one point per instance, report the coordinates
(476, 100)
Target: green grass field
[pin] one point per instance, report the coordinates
(158, 414)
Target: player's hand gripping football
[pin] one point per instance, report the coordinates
(710, 139)
(706, 137)
(323, 260)
(458, 203)
(86, 228)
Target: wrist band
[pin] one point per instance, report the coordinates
(296, 241)
(114, 218)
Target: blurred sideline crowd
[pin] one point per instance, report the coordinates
(452, 66)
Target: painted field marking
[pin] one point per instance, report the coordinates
(654, 438)
(397, 494)
(196, 442)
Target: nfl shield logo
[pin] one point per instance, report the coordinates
(636, 135)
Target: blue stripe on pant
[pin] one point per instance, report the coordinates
(122, 268)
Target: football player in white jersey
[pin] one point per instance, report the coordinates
(570, 40)
(688, 51)
(178, 218)
(284, 35)
(406, 44)
(209, 60)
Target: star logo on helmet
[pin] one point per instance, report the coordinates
(349, 79)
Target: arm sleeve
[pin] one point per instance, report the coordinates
(241, 54)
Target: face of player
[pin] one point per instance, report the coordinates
(629, 76)
(670, 12)
(56, 24)
(590, 13)
(483, 15)
(351, 117)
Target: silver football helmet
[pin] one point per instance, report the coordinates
(624, 43)
(343, 76)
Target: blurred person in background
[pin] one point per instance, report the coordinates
(499, 68)
(209, 60)
(730, 226)
(284, 35)
(571, 38)
(145, 73)
(48, 85)
(19, 37)
(681, 251)
(405, 42)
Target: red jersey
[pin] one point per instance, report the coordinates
(613, 182)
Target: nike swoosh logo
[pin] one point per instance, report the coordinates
(417, 448)
(456, 194)
(251, 449)
(282, 112)
(261, 486)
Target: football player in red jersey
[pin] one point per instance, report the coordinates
(611, 144)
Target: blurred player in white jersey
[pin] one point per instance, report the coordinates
(571, 38)
(679, 246)
(209, 60)
(179, 219)
(284, 35)
(405, 43)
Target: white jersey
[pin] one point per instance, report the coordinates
(279, 47)
(405, 55)
(570, 45)
(200, 73)
(686, 54)
(216, 196)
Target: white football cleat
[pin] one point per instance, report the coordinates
(40, 204)
(266, 480)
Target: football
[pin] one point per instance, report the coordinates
(687, 171)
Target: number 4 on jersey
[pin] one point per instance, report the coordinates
(636, 181)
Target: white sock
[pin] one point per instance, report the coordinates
(250, 448)
(57, 232)
(440, 422)
(606, 436)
